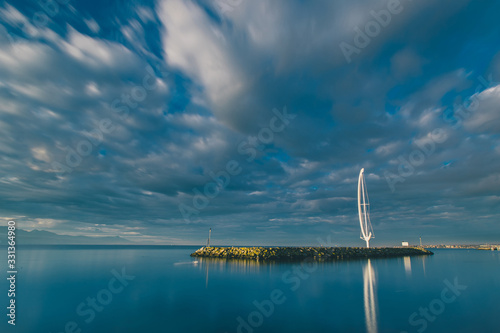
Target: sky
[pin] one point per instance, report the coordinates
(157, 120)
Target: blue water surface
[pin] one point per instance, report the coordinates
(162, 289)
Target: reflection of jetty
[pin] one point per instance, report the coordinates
(317, 253)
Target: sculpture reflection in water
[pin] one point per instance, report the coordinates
(370, 298)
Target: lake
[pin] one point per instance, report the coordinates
(162, 289)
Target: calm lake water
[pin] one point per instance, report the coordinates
(163, 289)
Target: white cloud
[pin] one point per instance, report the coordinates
(92, 24)
(191, 45)
(41, 154)
(145, 14)
(13, 17)
(23, 56)
(388, 148)
(97, 53)
(484, 111)
(92, 89)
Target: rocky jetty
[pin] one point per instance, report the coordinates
(317, 253)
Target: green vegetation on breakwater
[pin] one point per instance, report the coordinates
(318, 253)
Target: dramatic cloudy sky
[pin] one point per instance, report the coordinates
(115, 115)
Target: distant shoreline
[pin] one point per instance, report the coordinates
(99, 246)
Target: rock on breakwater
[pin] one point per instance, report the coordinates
(318, 253)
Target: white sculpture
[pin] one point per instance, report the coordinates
(364, 210)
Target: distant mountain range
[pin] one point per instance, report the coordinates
(40, 237)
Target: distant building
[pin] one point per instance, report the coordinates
(404, 244)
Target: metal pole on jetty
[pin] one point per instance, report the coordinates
(209, 233)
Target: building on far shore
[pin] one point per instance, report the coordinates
(404, 244)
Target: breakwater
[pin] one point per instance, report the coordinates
(317, 253)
